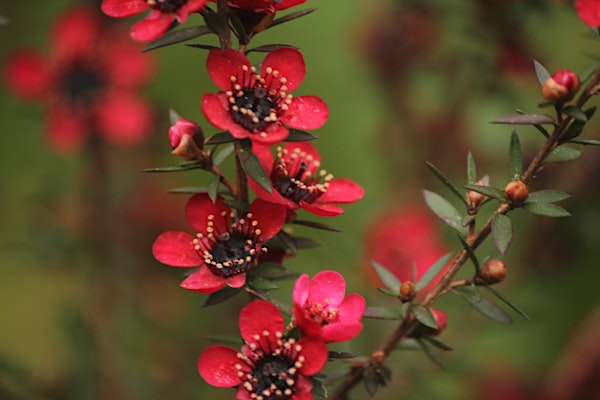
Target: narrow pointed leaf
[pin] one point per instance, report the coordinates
(214, 22)
(178, 36)
(213, 188)
(340, 355)
(270, 271)
(446, 182)
(444, 210)
(296, 135)
(489, 191)
(237, 25)
(387, 277)
(218, 297)
(317, 225)
(547, 196)
(318, 387)
(223, 154)
(542, 73)
(183, 167)
(502, 232)
(260, 283)
(471, 169)
(546, 209)
(507, 302)
(291, 17)
(270, 47)
(525, 119)
(483, 305)
(563, 154)
(189, 189)
(203, 46)
(288, 240)
(381, 313)
(585, 142)
(470, 253)
(515, 157)
(221, 137)
(437, 343)
(252, 166)
(424, 316)
(575, 113)
(433, 271)
(408, 344)
(431, 353)
(588, 74)
(305, 243)
(173, 116)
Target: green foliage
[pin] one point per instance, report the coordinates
(387, 277)
(483, 305)
(502, 232)
(432, 271)
(445, 211)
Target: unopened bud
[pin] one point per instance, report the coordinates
(378, 357)
(186, 139)
(491, 272)
(516, 192)
(474, 199)
(441, 320)
(407, 291)
(561, 87)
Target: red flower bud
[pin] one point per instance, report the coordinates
(561, 87)
(491, 272)
(474, 199)
(186, 139)
(516, 192)
(441, 320)
(407, 291)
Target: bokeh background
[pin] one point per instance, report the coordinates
(405, 81)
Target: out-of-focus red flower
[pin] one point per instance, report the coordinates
(88, 82)
(321, 307)
(589, 11)
(265, 6)
(269, 365)
(401, 239)
(298, 181)
(226, 246)
(161, 16)
(260, 106)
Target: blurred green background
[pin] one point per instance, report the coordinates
(405, 82)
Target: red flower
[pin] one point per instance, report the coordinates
(299, 183)
(322, 308)
(589, 11)
(265, 6)
(258, 106)
(160, 18)
(269, 366)
(88, 82)
(226, 245)
(402, 239)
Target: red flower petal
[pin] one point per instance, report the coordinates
(327, 287)
(290, 64)
(215, 107)
(306, 112)
(275, 133)
(236, 281)
(188, 8)
(152, 27)
(342, 190)
(76, 33)
(341, 332)
(284, 4)
(260, 316)
(65, 131)
(125, 120)
(198, 209)
(588, 11)
(203, 281)
(273, 197)
(300, 293)
(222, 65)
(306, 147)
(315, 353)
(352, 308)
(324, 210)
(270, 217)
(242, 394)
(176, 249)
(126, 65)
(27, 74)
(216, 366)
(123, 8)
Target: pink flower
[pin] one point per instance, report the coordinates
(160, 18)
(298, 181)
(88, 82)
(260, 106)
(321, 307)
(269, 365)
(589, 11)
(226, 246)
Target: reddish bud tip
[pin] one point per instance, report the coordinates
(186, 139)
(491, 272)
(516, 192)
(561, 87)
(441, 320)
(474, 199)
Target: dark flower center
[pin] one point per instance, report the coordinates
(253, 109)
(272, 378)
(231, 255)
(82, 84)
(167, 6)
(298, 178)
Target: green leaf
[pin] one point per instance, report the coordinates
(515, 158)
(340, 355)
(546, 209)
(486, 307)
(305, 243)
(267, 48)
(317, 225)
(237, 25)
(318, 387)
(575, 113)
(444, 210)
(508, 303)
(432, 271)
(471, 169)
(381, 313)
(177, 36)
(260, 283)
(296, 135)
(271, 271)
(218, 297)
(375, 378)
(525, 119)
(214, 21)
(213, 188)
(563, 154)
(431, 353)
(502, 232)
(388, 292)
(182, 167)
(288, 241)
(408, 344)
(203, 46)
(291, 17)
(489, 191)
(586, 76)
(547, 196)
(424, 316)
(173, 116)
(223, 154)
(437, 343)
(252, 165)
(221, 137)
(585, 142)
(542, 73)
(446, 182)
(470, 253)
(387, 277)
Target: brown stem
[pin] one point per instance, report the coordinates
(242, 179)
(223, 11)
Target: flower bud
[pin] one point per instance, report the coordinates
(561, 87)
(474, 199)
(491, 272)
(186, 139)
(407, 291)
(516, 192)
(441, 320)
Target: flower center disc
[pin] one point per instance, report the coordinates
(231, 255)
(253, 109)
(81, 84)
(166, 5)
(294, 187)
(272, 378)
